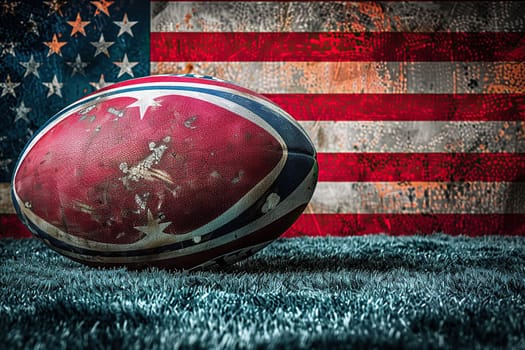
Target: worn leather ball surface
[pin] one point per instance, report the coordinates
(166, 171)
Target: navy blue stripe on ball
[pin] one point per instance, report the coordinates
(283, 186)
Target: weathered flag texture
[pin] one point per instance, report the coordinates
(416, 108)
(52, 53)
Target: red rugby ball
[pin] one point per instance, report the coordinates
(171, 171)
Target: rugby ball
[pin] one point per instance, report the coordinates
(171, 171)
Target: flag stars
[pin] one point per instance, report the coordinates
(8, 7)
(125, 25)
(77, 66)
(4, 163)
(78, 25)
(31, 67)
(102, 6)
(55, 46)
(102, 83)
(32, 26)
(55, 88)
(8, 87)
(55, 6)
(8, 48)
(21, 112)
(102, 46)
(126, 67)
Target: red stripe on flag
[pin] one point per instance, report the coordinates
(399, 107)
(340, 46)
(12, 227)
(407, 224)
(421, 166)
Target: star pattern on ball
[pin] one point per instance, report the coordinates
(102, 46)
(126, 67)
(125, 25)
(21, 112)
(55, 46)
(102, 6)
(154, 229)
(78, 25)
(55, 88)
(8, 87)
(145, 100)
(31, 67)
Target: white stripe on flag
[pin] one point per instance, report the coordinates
(418, 198)
(326, 16)
(416, 136)
(361, 77)
(6, 205)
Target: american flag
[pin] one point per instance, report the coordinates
(416, 108)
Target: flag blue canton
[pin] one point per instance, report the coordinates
(55, 52)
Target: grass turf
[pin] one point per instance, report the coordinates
(368, 292)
